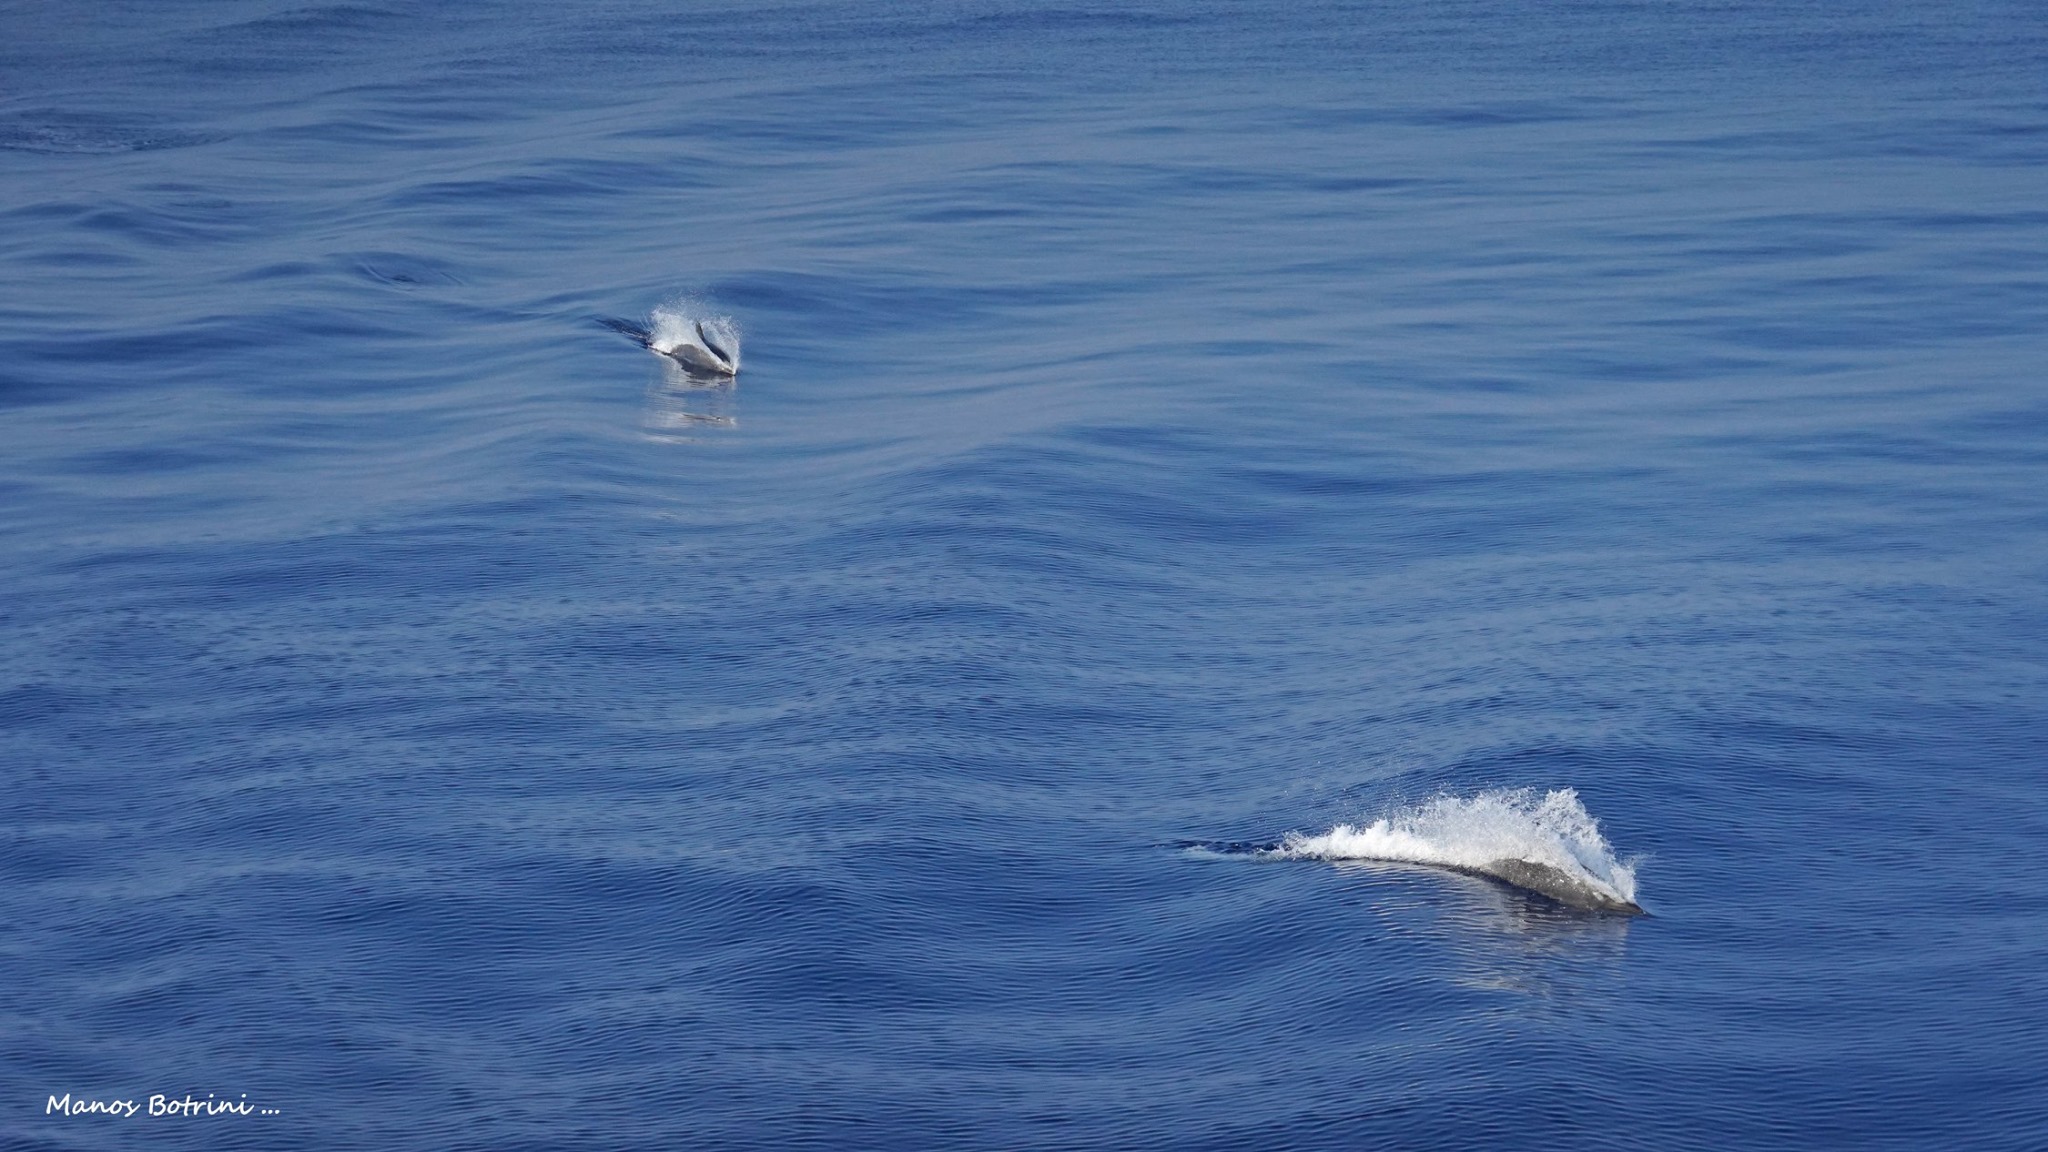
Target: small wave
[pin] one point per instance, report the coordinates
(1548, 843)
(689, 332)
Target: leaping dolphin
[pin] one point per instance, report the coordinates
(1559, 885)
(1543, 879)
(698, 350)
(704, 354)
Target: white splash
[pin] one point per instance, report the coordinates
(687, 331)
(1477, 834)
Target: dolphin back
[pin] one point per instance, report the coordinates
(1558, 885)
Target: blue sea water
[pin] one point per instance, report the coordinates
(436, 721)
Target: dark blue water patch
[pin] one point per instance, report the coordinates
(890, 308)
(65, 132)
(1078, 17)
(405, 271)
(293, 42)
(29, 704)
(577, 183)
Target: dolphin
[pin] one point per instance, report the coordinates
(703, 354)
(1544, 880)
(1555, 883)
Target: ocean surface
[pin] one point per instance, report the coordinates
(1195, 469)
